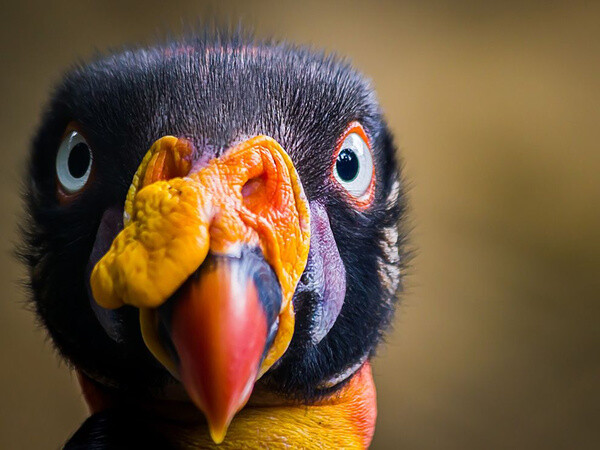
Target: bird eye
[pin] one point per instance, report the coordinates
(353, 168)
(73, 162)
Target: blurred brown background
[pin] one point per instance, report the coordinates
(496, 109)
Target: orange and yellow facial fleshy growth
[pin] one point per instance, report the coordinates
(175, 216)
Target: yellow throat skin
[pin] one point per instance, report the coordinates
(345, 419)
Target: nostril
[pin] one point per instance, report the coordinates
(253, 185)
(256, 194)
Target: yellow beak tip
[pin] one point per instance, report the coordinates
(217, 433)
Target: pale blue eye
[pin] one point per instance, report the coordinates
(73, 162)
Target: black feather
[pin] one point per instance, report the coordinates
(117, 429)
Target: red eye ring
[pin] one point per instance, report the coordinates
(366, 199)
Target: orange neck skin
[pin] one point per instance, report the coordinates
(346, 419)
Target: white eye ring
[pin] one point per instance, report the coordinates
(73, 162)
(353, 168)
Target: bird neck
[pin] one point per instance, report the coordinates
(346, 419)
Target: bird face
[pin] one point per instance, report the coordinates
(215, 215)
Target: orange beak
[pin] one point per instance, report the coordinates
(219, 325)
(211, 258)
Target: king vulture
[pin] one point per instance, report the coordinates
(213, 244)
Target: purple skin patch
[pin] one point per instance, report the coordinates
(110, 225)
(325, 276)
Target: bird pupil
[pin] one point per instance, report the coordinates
(347, 165)
(79, 160)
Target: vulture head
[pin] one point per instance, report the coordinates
(213, 243)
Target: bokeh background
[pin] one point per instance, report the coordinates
(495, 106)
